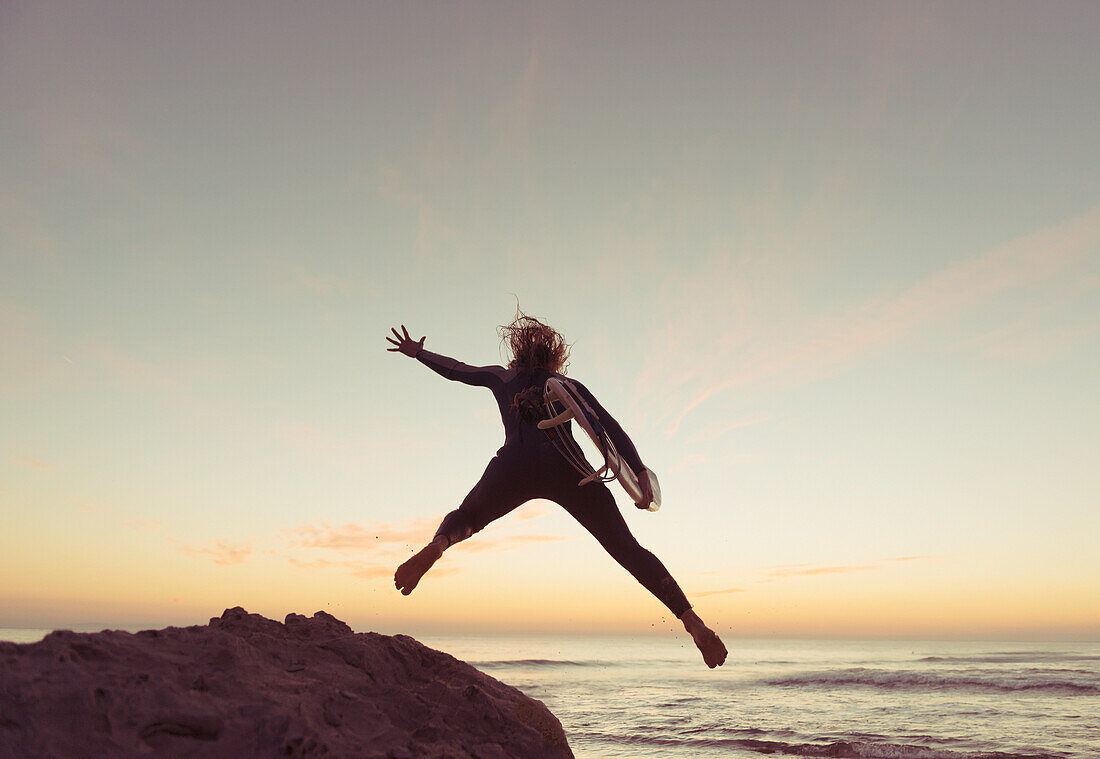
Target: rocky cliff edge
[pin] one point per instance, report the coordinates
(247, 686)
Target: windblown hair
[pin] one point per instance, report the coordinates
(534, 345)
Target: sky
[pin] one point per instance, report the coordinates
(834, 266)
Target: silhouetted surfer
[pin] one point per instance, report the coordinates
(528, 466)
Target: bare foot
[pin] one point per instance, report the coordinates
(706, 640)
(408, 574)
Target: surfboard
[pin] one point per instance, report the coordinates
(560, 393)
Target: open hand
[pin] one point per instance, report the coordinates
(405, 344)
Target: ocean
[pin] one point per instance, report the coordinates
(651, 696)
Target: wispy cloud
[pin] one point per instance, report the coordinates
(688, 462)
(530, 511)
(93, 507)
(122, 517)
(142, 525)
(33, 360)
(222, 552)
(724, 591)
(395, 536)
(359, 536)
(721, 427)
(371, 550)
(315, 563)
(1027, 343)
(786, 571)
(180, 381)
(808, 349)
(782, 573)
(506, 543)
(32, 463)
(363, 569)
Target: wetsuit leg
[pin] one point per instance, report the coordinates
(594, 507)
(504, 486)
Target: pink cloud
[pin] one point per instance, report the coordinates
(724, 591)
(224, 553)
(358, 536)
(394, 538)
(373, 550)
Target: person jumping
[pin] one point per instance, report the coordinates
(528, 466)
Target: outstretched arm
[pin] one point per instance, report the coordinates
(449, 368)
(618, 436)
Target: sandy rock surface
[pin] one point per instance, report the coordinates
(247, 686)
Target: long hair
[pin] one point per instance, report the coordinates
(534, 345)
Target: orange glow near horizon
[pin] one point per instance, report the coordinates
(456, 601)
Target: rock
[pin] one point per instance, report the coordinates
(247, 686)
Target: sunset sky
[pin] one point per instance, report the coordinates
(834, 266)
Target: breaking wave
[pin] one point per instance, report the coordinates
(1013, 657)
(501, 663)
(837, 749)
(909, 680)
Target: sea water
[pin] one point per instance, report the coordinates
(651, 696)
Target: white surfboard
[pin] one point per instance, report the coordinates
(562, 392)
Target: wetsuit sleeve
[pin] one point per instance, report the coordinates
(618, 437)
(449, 368)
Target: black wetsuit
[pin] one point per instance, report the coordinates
(528, 466)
